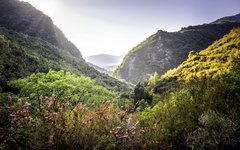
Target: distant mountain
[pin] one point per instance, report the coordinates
(165, 50)
(106, 61)
(34, 44)
(102, 70)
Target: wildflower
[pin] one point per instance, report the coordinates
(20, 103)
(55, 114)
(27, 104)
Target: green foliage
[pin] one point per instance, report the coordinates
(192, 53)
(4, 47)
(81, 89)
(215, 130)
(153, 80)
(140, 93)
(216, 60)
(201, 114)
(198, 115)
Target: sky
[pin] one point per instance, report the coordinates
(116, 26)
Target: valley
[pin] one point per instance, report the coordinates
(175, 90)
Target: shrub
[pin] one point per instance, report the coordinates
(57, 125)
(215, 132)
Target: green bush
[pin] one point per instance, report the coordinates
(215, 132)
(62, 84)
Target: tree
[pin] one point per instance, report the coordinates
(141, 93)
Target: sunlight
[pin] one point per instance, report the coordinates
(48, 7)
(115, 27)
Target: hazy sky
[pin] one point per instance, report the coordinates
(115, 26)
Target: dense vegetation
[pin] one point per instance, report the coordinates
(202, 113)
(81, 89)
(211, 62)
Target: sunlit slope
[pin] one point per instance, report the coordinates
(217, 59)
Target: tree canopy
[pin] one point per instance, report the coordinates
(62, 84)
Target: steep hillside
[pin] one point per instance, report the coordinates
(23, 17)
(217, 59)
(165, 50)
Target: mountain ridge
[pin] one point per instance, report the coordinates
(25, 18)
(106, 61)
(234, 18)
(165, 50)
